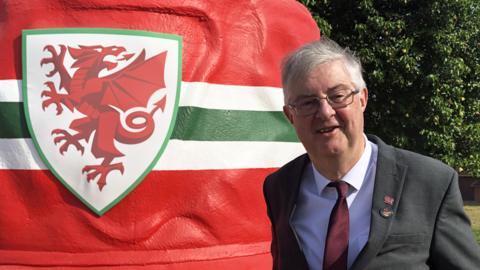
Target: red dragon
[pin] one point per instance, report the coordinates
(100, 98)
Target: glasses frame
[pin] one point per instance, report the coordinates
(331, 103)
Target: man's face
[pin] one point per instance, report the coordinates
(329, 132)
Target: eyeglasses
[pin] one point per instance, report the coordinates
(337, 99)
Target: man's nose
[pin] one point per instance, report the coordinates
(324, 110)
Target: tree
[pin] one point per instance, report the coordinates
(422, 67)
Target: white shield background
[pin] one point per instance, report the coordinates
(138, 159)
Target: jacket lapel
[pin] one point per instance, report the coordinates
(389, 180)
(293, 182)
(292, 187)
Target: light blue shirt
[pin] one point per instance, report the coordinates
(315, 202)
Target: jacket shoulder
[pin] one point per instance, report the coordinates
(284, 172)
(419, 161)
(424, 176)
(415, 162)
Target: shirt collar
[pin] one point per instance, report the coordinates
(354, 177)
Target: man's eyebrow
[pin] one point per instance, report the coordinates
(330, 89)
(304, 96)
(341, 86)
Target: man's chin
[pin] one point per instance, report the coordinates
(332, 152)
(328, 150)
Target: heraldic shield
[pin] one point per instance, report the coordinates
(100, 105)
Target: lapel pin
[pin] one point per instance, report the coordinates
(386, 212)
(388, 200)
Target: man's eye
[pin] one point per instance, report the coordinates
(337, 96)
(308, 103)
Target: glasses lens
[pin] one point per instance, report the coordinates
(337, 99)
(307, 106)
(340, 97)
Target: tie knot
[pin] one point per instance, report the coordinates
(341, 186)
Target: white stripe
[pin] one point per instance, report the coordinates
(19, 154)
(198, 94)
(231, 97)
(179, 155)
(201, 155)
(10, 91)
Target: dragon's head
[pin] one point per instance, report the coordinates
(94, 56)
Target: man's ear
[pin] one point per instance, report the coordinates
(363, 98)
(288, 113)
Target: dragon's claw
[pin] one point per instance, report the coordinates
(90, 176)
(101, 170)
(63, 149)
(45, 94)
(50, 85)
(58, 139)
(68, 139)
(121, 169)
(49, 48)
(53, 97)
(58, 131)
(45, 61)
(56, 59)
(47, 103)
(52, 72)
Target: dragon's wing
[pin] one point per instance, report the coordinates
(133, 85)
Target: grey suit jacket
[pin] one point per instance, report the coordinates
(425, 228)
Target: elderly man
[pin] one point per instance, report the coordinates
(354, 202)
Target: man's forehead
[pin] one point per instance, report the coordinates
(333, 74)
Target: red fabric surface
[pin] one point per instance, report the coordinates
(232, 42)
(174, 219)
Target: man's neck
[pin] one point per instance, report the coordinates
(336, 166)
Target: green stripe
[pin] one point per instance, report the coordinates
(193, 123)
(12, 121)
(228, 125)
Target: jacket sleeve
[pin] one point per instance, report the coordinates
(273, 246)
(453, 244)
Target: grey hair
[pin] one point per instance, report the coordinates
(300, 63)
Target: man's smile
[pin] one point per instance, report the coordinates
(326, 130)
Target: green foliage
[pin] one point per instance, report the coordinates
(476, 233)
(473, 212)
(422, 66)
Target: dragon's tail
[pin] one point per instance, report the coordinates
(139, 125)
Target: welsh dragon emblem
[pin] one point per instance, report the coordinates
(114, 107)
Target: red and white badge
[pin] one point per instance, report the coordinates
(100, 105)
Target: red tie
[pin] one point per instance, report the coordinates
(336, 246)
